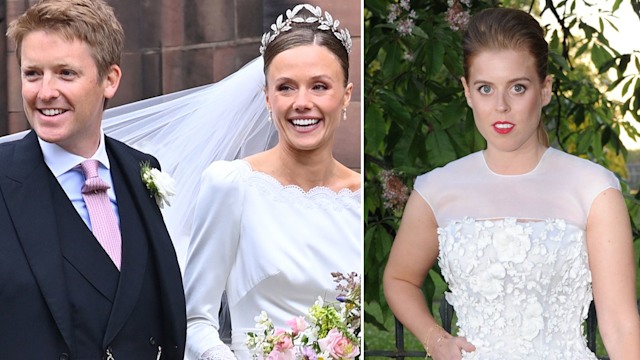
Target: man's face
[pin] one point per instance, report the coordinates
(62, 95)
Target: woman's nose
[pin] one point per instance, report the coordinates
(303, 100)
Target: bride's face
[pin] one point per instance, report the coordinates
(306, 95)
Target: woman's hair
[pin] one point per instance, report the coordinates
(90, 21)
(303, 33)
(507, 29)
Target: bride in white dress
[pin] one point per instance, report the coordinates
(270, 228)
(525, 235)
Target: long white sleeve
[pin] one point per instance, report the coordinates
(211, 255)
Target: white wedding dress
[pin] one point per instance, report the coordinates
(513, 252)
(272, 247)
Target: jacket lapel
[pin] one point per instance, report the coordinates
(129, 161)
(27, 190)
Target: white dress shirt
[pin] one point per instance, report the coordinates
(65, 167)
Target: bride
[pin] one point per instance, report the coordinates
(272, 227)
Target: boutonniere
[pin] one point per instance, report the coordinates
(161, 185)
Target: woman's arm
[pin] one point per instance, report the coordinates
(212, 253)
(610, 248)
(414, 252)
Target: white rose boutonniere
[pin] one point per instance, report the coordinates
(161, 185)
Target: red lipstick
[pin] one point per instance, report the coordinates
(503, 127)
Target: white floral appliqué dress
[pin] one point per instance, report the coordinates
(513, 251)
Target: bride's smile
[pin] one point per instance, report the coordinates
(306, 94)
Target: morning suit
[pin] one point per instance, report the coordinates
(61, 297)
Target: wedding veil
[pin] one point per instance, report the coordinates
(189, 129)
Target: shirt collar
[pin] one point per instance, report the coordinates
(60, 160)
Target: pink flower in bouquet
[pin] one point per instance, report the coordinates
(338, 346)
(283, 341)
(298, 325)
(281, 355)
(308, 353)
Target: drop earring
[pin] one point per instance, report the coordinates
(270, 117)
(344, 114)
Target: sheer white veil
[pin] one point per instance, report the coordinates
(189, 129)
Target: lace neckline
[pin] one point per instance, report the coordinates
(316, 190)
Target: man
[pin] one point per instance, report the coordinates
(66, 293)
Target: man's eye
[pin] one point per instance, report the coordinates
(67, 73)
(30, 74)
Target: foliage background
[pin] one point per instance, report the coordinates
(416, 117)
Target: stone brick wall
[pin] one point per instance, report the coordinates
(172, 45)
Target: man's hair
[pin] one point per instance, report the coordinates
(90, 21)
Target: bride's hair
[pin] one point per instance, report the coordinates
(308, 33)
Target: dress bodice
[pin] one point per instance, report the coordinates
(521, 290)
(271, 247)
(513, 251)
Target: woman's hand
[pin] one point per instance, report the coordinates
(448, 347)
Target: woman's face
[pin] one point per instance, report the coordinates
(506, 96)
(306, 95)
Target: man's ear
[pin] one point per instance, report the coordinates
(112, 81)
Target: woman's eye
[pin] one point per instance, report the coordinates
(285, 87)
(518, 88)
(320, 87)
(485, 89)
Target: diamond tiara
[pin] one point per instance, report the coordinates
(325, 23)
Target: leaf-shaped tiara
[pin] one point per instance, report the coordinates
(325, 23)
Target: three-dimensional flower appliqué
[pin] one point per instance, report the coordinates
(161, 185)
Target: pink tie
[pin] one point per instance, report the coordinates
(103, 219)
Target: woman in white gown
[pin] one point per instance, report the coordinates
(525, 235)
(270, 228)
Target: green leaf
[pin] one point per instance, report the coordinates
(599, 56)
(391, 64)
(374, 315)
(437, 54)
(375, 129)
(440, 148)
(616, 5)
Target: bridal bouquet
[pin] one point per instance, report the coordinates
(330, 330)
